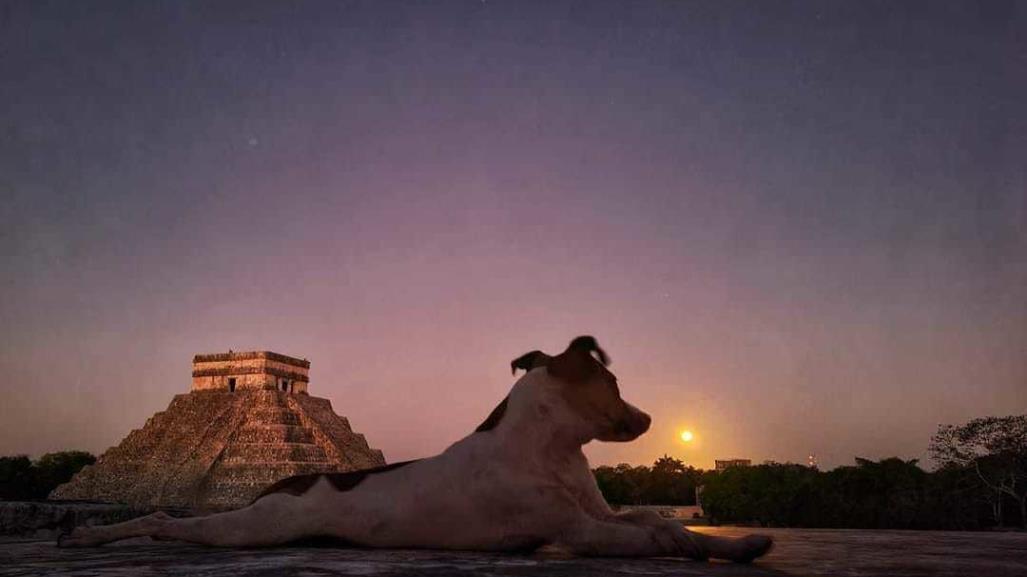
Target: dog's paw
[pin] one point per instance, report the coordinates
(690, 546)
(752, 547)
(680, 541)
(80, 537)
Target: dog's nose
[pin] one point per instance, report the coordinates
(644, 421)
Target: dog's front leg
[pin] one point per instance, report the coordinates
(622, 538)
(654, 520)
(738, 549)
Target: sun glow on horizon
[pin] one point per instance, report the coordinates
(687, 436)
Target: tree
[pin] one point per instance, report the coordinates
(995, 449)
(16, 478)
(671, 482)
(771, 494)
(53, 469)
(668, 482)
(22, 479)
(623, 484)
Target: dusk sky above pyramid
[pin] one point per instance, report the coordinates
(795, 229)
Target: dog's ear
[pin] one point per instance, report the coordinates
(529, 361)
(577, 363)
(589, 345)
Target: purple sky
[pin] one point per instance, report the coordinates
(798, 227)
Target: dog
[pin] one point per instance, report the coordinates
(518, 482)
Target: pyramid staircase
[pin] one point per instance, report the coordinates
(272, 444)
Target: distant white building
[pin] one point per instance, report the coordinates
(724, 464)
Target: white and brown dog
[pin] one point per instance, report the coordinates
(518, 482)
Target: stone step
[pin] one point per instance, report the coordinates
(274, 433)
(264, 474)
(273, 452)
(324, 466)
(273, 416)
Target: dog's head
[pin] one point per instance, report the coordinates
(587, 392)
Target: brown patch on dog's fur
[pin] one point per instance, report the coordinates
(295, 486)
(494, 417)
(342, 482)
(589, 345)
(583, 361)
(575, 365)
(591, 389)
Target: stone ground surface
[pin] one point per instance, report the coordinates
(799, 552)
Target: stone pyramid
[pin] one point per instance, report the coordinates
(247, 423)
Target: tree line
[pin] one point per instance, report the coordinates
(887, 494)
(23, 479)
(981, 482)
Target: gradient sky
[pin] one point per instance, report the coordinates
(794, 226)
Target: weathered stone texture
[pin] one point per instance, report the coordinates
(250, 370)
(218, 450)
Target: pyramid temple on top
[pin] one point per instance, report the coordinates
(247, 422)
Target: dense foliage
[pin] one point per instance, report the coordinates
(981, 482)
(22, 479)
(886, 494)
(667, 482)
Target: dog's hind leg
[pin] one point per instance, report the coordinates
(272, 520)
(86, 536)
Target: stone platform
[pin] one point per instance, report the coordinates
(799, 552)
(48, 519)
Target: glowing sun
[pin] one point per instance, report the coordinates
(687, 436)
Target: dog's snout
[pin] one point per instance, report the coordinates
(644, 421)
(633, 424)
